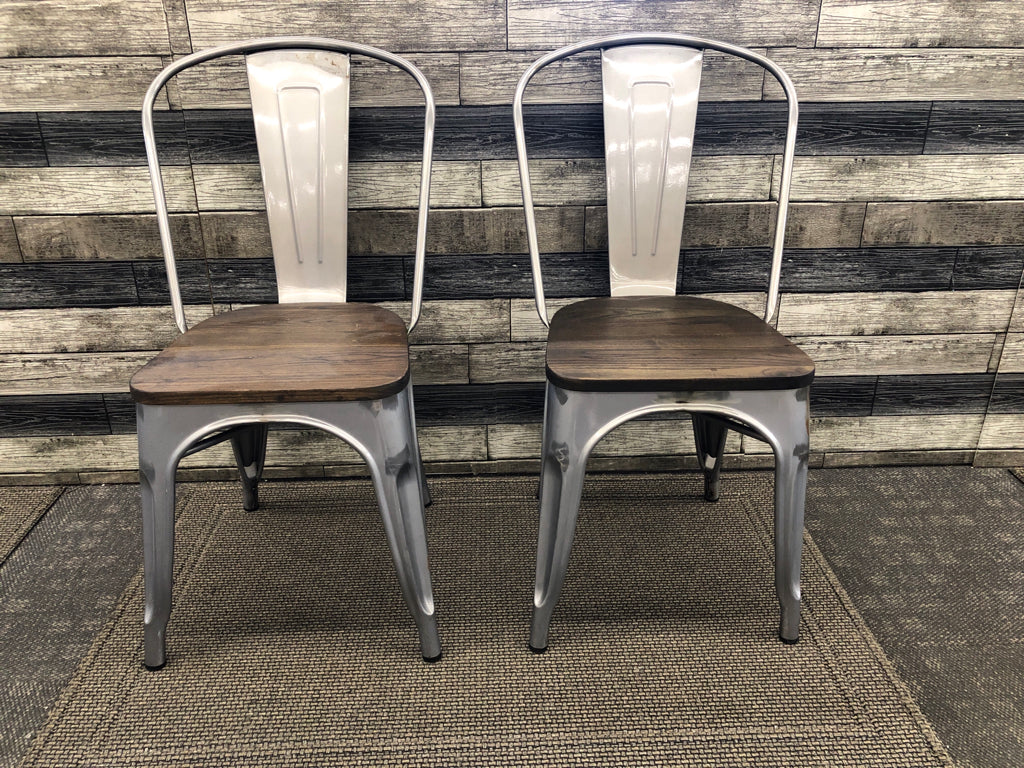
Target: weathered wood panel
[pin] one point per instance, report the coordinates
(118, 329)
(1008, 394)
(480, 404)
(21, 141)
(495, 363)
(995, 222)
(1012, 360)
(222, 84)
(69, 373)
(439, 364)
(899, 355)
(973, 128)
(75, 84)
(466, 277)
(110, 138)
(924, 177)
(10, 250)
(56, 454)
(447, 25)
(37, 416)
(582, 182)
(919, 23)
(860, 314)
(176, 16)
(27, 286)
(457, 322)
(898, 458)
(919, 395)
(491, 78)
(843, 395)
(371, 185)
(901, 74)
(1002, 430)
(91, 190)
(106, 237)
(88, 28)
(552, 23)
(981, 268)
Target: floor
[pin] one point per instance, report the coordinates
(933, 557)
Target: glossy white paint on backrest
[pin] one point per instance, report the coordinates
(650, 109)
(300, 106)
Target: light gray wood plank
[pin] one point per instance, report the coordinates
(882, 433)
(737, 225)
(491, 78)
(539, 24)
(10, 251)
(992, 222)
(1002, 431)
(917, 178)
(903, 354)
(472, 321)
(920, 23)
(88, 27)
(177, 26)
(439, 364)
(1012, 359)
(222, 84)
(91, 190)
(427, 25)
(57, 454)
(496, 363)
(69, 373)
(75, 330)
(898, 458)
(634, 438)
(76, 83)
(582, 182)
(98, 238)
(901, 74)
(1017, 317)
(865, 314)
(454, 184)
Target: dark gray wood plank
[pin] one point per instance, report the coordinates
(120, 412)
(994, 222)
(540, 24)
(110, 138)
(1007, 394)
(10, 251)
(89, 27)
(43, 415)
(988, 268)
(252, 280)
(241, 235)
(976, 127)
(504, 276)
(919, 23)
(428, 25)
(842, 395)
(151, 282)
(105, 238)
(932, 394)
(29, 286)
(21, 142)
(480, 404)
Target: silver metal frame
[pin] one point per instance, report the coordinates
(382, 431)
(688, 41)
(574, 421)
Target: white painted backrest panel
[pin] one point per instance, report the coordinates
(300, 104)
(650, 109)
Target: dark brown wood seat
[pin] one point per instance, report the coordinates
(281, 353)
(669, 343)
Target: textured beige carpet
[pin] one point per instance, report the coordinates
(289, 644)
(20, 508)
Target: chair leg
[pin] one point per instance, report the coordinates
(250, 447)
(567, 430)
(421, 473)
(400, 493)
(710, 435)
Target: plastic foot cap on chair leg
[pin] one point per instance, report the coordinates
(535, 649)
(789, 640)
(154, 668)
(433, 659)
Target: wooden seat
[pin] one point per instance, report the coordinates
(625, 343)
(281, 353)
(645, 350)
(312, 360)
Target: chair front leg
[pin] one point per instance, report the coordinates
(250, 448)
(710, 435)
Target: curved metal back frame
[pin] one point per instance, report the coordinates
(268, 44)
(616, 41)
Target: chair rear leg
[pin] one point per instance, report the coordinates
(250, 447)
(710, 435)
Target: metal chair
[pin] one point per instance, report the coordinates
(312, 359)
(645, 349)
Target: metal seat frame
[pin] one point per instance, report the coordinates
(651, 84)
(300, 94)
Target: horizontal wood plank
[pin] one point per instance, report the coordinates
(439, 364)
(513, 362)
(1008, 394)
(582, 181)
(901, 74)
(919, 395)
(886, 433)
(1012, 359)
(69, 373)
(491, 78)
(892, 313)
(924, 177)
(21, 141)
(105, 237)
(26, 191)
(10, 250)
(371, 185)
(94, 28)
(553, 23)
(29, 286)
(1002, 431)
(974, 128)
(76, 84)
(110, 138)
(994, 222)
(428, 25)
(900, 354)
(919, 23)
(457, 322)
(37, 416)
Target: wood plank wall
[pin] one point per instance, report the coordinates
(905, 256)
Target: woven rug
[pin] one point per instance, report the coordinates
(290, 645)
(20, 508)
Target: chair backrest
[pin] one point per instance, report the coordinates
(299, 88)
(650, 84)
